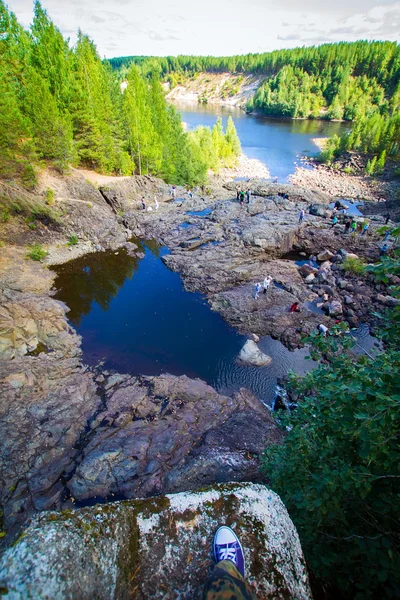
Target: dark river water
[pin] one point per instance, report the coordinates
(278, 143)
(135, 315)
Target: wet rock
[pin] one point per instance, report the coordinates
(250, 354)
(100, 552)
(335, 308)
(325, 255)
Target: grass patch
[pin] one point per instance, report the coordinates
(73, 240)
(37, 252)
(354, 265)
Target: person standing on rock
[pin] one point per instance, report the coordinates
(387, 218)
(301, 216)
(353, 226)
(248, 196)
(173, 192)
(242, 197)
(238, 194)
(227, 581)
(347, 227)
(266, 283)
(156, 202)
(365, 229)
(387, 234)
(257, 290)
(335, 220)
(143, 204)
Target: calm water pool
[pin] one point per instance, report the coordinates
(135, 315)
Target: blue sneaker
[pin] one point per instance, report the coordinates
(228, 547)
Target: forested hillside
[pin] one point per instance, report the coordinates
(65, 106)
(346, 80)
(357, 81)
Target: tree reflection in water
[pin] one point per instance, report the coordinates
(96, 278)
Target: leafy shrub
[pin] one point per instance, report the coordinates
(49, 194)
(73, 240)
(37, 252)
(338, 470)
(354, 265)
(6, 215)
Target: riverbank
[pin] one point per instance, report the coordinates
(343, 185)
(247, 168)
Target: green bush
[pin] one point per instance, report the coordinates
(49, 194)
(354, 265)
(6, 215)
(338, 470)
(37, 252)
(73, 240)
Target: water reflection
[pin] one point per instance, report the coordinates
(135, 315)
(97, 278)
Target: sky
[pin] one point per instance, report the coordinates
(216, 27)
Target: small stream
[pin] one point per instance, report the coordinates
(134, 315)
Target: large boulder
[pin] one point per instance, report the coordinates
(320, 210)
(251, 354)
(157, 548)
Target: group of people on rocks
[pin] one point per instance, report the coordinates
(241, 195)
(264, 286)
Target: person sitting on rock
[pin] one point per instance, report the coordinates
(227, 581)
(266, 283)
(335, 220)
(257, 290)
(295, 307)
(347, 227)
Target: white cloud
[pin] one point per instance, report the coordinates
(217, 27)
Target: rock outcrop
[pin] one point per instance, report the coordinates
(251, 354)
(157, 548)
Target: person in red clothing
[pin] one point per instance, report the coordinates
(295, 307)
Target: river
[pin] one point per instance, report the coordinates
(278, 143)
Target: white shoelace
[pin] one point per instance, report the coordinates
(227, 553)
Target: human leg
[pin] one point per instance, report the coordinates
(226, 583)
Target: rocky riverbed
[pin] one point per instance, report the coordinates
(71, 434)
(342, 185)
